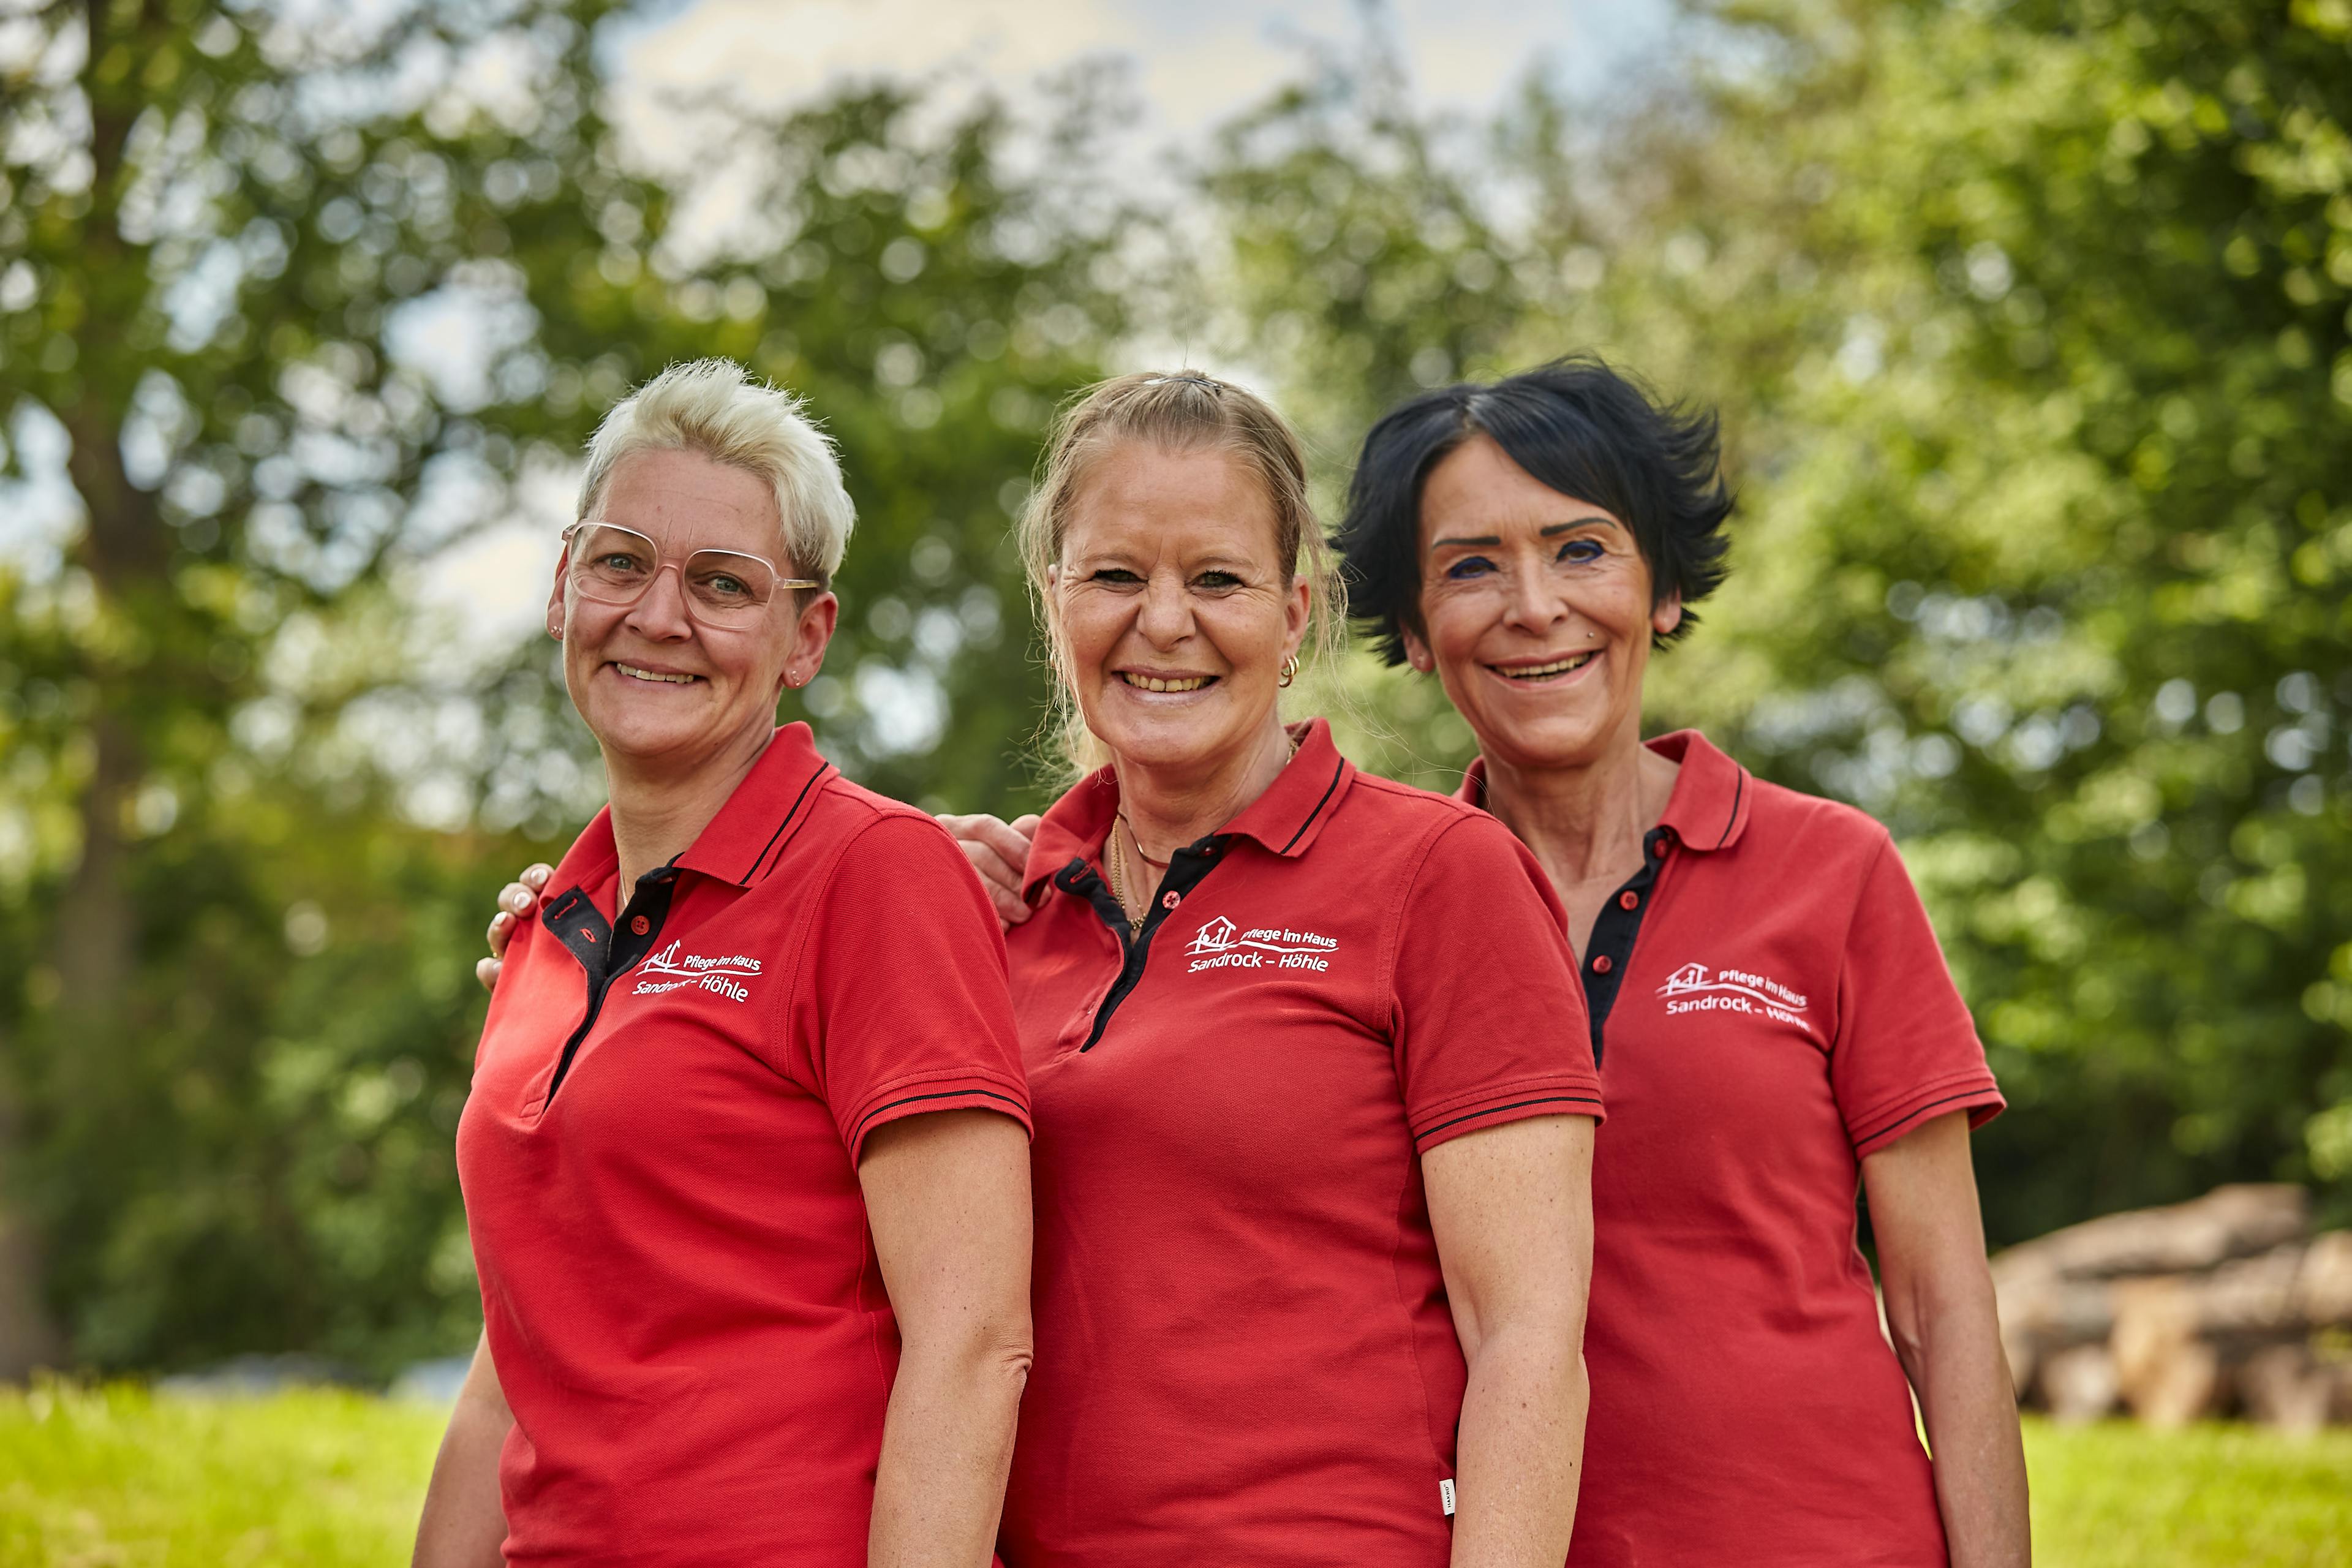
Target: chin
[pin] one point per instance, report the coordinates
(626, 728)
(1174, 739)
(1546, 744)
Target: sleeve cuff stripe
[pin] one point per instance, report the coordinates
(865, 1121)
(1590, 1099)
(1981, 1093)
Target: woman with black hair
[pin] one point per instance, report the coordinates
(1774, 1020)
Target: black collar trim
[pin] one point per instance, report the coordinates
(775, 839)
(1318, 807)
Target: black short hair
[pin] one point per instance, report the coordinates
(1579, 426)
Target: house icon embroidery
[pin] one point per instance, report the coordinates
(1689, 977)
(1214, 937)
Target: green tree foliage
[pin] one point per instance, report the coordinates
(2048, 562)
(238, 1013)
(2029, 324)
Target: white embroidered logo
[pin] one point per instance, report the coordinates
(668, 970)
(1694, 989)
(1220, 944)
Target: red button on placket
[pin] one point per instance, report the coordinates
(1629, 900)
(1601, 966)
(1169, 901)
(640, 925)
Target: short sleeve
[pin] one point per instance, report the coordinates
(1907, 1051)
(1490, 1022)
(902, 996)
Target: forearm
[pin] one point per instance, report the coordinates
(947, 1444)
(1954, 1360)
(463, 1524)
(1520, 1453)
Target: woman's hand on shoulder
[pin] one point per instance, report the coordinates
(998, 850)
(515, 902)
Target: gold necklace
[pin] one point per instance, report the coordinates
(1113, 855)
(1118, 883)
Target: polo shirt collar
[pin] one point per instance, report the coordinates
(1287, 819)
(1711, 802)
(740, 845)
(592, 859)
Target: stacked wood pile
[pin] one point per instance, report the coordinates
(2225, 1305)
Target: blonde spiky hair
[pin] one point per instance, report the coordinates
(714, 406)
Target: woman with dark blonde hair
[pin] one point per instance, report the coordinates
(1314, 1102)
(1308, 1061)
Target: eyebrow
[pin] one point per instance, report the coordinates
(1550, 528)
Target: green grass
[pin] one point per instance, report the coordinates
(113, 1477)
(2229, 1497)
(116, 1478)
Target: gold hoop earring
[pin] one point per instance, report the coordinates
(1289, 671)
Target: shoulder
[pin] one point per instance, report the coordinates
(1436, 838)
(1387, 808)
(1788, 827)
(867, 826)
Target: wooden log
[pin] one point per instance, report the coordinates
(2185, 1239)
(2323, 1291)
(2252, 1298)
(2041, 1316)
(2288, 1388)
(2165, 1372)
(2078, 1384)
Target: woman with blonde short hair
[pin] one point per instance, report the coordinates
(751, 1215)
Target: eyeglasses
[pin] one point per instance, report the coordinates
(724, 588)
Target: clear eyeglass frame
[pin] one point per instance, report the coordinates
(591, 548)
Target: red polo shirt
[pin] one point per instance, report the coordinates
(1244, 1349)
(659, 1160)
(1769, 1006)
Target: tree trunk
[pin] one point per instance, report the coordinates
(28, 1338)
(123, 548)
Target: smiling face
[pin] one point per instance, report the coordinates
(1534, 612)
(655, 686)
(1173, 606)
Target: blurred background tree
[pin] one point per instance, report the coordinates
(2028, 324)
(257, 797)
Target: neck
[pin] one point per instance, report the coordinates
(1169, 807)
(1584, 822)
(661, 804)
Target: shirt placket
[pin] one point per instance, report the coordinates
(1609, 950)
(605, 953)
(1185, 869)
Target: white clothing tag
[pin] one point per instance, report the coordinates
(1445, 1496)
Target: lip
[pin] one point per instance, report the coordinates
(1505, 669)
